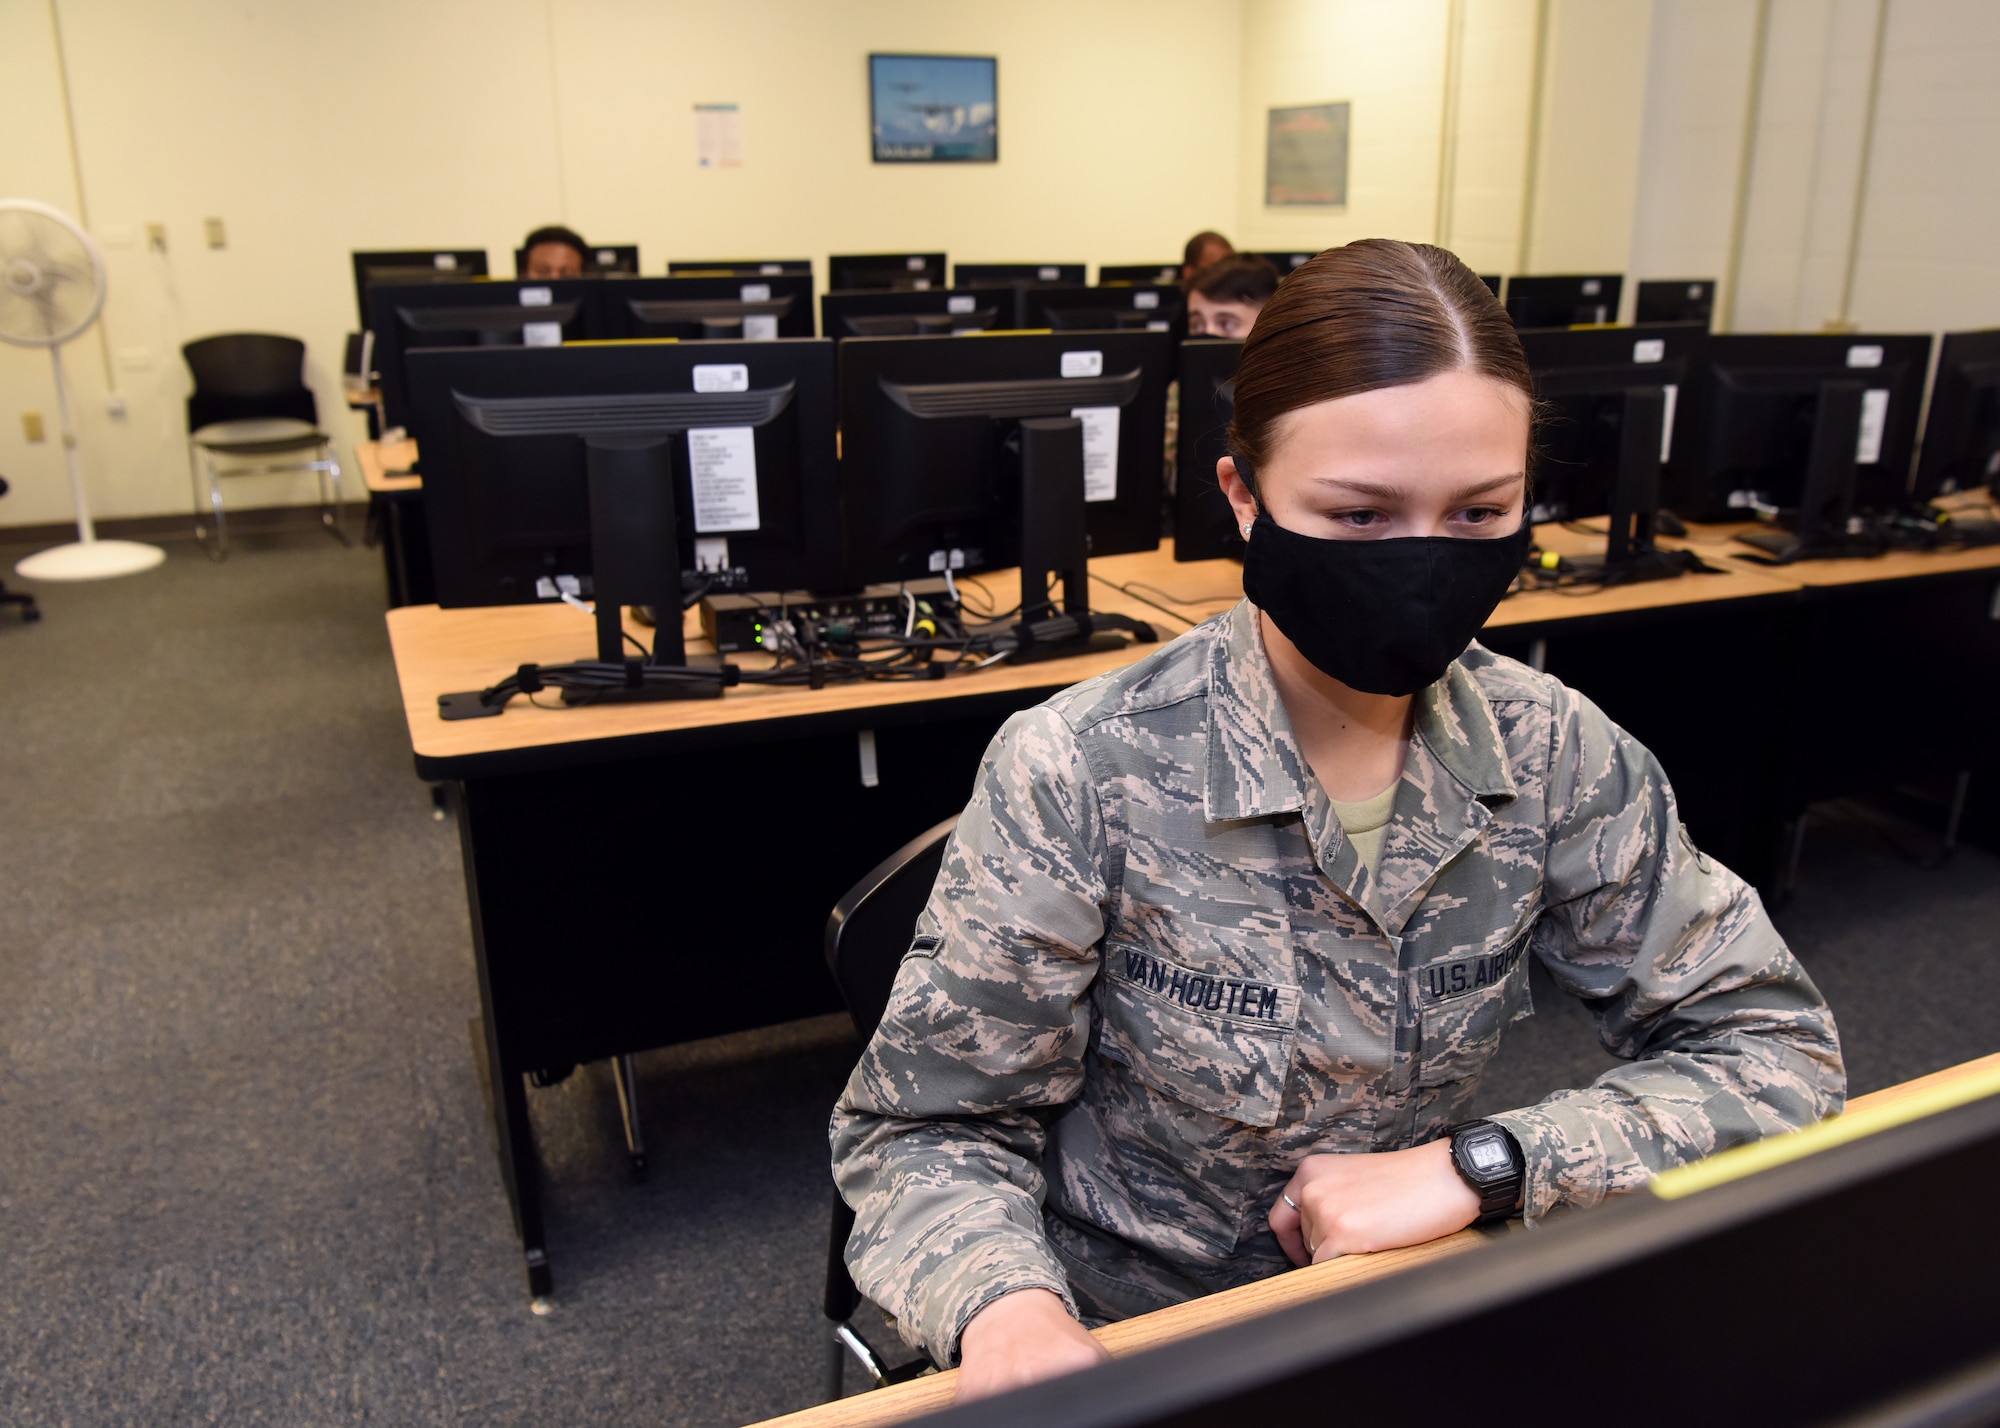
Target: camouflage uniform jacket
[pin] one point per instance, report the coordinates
(1153, 975)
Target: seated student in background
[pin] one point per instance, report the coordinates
(1225, 939)
(552, 252)
(1204, 248)
(1224, 298)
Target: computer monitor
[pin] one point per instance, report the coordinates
(740, 267)
(1204, 524)
(1159, 275)
(1961, 448)
(1141, 308)
(1610, 400)
(1289, 259)
(1876, 1301)
(1675, 300)
(933, 471)
(986, 275)
(1583, 300)
(1492, 281)
(599, 260)
(942, 310)
(406, 266)
(487, 313)
(901, 272)
(721, 453)
(714, 307)
(1806, 430)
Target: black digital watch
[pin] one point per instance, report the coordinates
(1488, 1158)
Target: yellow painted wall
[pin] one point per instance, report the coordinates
(312, 130)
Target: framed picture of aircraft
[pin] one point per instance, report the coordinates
(934, 109)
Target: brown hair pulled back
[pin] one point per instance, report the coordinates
(1376, 313)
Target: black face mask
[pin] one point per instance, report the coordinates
(1381, 616)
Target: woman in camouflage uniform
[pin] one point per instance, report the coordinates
(1225, 938)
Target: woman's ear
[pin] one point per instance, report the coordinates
(1240, 500)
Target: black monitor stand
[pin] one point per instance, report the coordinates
(635, 560)
(1055, 545)
(1819, 529)
(1629, 552)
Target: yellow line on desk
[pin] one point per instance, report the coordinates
(1838, 1130)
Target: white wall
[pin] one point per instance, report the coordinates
(314, 130)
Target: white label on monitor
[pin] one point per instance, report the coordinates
(722, 466)
(1100, 452)
(711, 554)
(547, 589)
(446, 263)
(722, 377)
(961, 302)
(1145, 297)
(1083, 364)
(1874, 416)
(754, 292)
(1048, 275)
(771, 269)
(1673, 395)
(536, 297)
(1159, 327)
(1591, 287)
(1865, 354)
(1650, 349)
(1694, 292)
(922, 285)
(914, 264)
(541, 334)
(606, 257)
(760, 326)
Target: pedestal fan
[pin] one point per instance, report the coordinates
(51, 290)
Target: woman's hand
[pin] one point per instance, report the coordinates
(1356, 1204)
(1018, 1339)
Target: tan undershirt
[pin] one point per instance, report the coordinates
(1366, 823)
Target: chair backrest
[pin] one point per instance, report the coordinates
(248, 374)
(870, 928)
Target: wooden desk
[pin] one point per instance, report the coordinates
(903, 1402)
(396, 519)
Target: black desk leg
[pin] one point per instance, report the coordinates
(506, 1076)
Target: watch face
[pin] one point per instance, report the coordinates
(1488, 1154)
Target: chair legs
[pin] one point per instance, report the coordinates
(30, 611)
(207, 479)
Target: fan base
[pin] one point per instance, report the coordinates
(90, 560)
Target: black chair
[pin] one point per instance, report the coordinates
(865, 941)
(251, 403)
(30, 611)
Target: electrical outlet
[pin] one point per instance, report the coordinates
(213, 231)
(115, 407)
(31, 427)
(156, 237)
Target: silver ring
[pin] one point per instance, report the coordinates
(1290, 1201)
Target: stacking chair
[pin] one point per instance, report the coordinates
(865, 941)
(251, 409)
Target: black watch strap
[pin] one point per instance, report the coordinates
(1488, 1158)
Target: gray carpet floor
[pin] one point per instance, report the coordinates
(245, 1163)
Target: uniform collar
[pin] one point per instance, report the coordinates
(1457, 765)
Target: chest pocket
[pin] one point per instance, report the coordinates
(1220, 1043)
(1463, 1005)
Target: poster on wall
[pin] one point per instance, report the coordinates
(934, 109)
(718, 136)
(1305, 156)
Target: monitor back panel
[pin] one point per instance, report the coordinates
(903, 272)
(1204, 524)
(711, 307)
(1961, 445)
(407, 266)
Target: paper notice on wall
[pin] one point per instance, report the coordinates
(1100, 452)
(722, 465)
(541, 334)
(718, 136)
(1874, 417)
